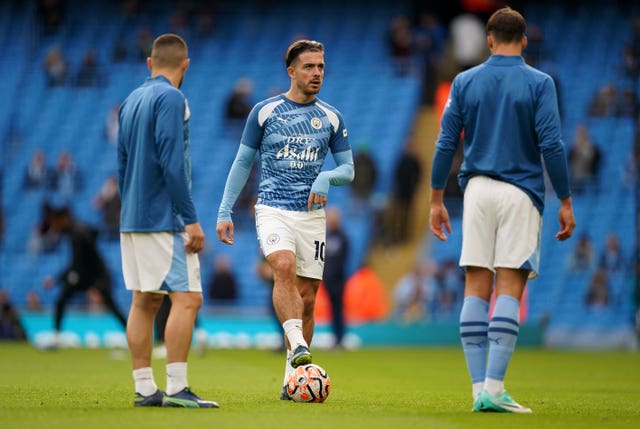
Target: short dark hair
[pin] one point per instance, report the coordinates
(506, 25)
(300, 46)
(169, 51)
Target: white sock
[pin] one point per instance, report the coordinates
(145, 385)
(293, 331)
(287, 368)
(176, 377)
(493, 386)
(476, 389)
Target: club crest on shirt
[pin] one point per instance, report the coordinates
(273, 239)
(316, 123)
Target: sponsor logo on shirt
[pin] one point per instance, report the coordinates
(289, 151)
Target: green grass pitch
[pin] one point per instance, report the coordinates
(371, 388)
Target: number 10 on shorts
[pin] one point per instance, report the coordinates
(319, 250)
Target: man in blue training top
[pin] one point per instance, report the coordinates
(292, 132)
(509, 114)
(160, 235)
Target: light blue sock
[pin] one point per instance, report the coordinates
(503, 334)
(474, 323)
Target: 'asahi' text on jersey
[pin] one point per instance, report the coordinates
(293, 140)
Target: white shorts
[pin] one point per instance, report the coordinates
(500, 227)
(303, 233)
(158, 262)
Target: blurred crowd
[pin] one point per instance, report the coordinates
(433, 41)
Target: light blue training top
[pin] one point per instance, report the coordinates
(509, 114)
(154, 163)
(293, 140)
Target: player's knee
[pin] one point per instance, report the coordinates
(189, 301)
(148, 301)
(283, 267)
(309, 302)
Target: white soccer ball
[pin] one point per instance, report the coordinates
(308, 383)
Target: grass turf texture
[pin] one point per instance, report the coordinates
(380, 388)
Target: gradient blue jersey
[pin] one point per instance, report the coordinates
(154, 164)
(509, 113)
(293, 140)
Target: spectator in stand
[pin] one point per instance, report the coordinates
(223, 287)
(51, 14)
(238, 105)
(334, 277)
(605, 102)
(144, 40)
(108, 202)
(631, 63)
(400, 44)
(33, 301)
(583, 257)
(584, 160)
(89, 73)
(534, 51)
(407, 174)
(598, 293)
(120, 52)
(612, 260)
(204, 20)
(38, 175)
(468, 36)
(111, 125)
(414, 294)
(627, 106)
(450, 280)
(179, 21)
(67, 179)
(364, 182)
(55, 67)
(429, 37)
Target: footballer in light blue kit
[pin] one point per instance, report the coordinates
(509, 114)
(160, 235)
(292, 133)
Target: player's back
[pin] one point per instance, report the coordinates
(507, 107)
(146, 203)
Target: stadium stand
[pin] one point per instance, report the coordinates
(248, 40)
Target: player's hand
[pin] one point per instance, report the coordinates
(316, 199)
(438, 217)
(195, 237)
(224, 229)
(566, 219)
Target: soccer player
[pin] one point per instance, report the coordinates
(509, 114)
(159, 233)
(292, 132)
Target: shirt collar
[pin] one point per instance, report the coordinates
(158, 78)
(503, 60)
